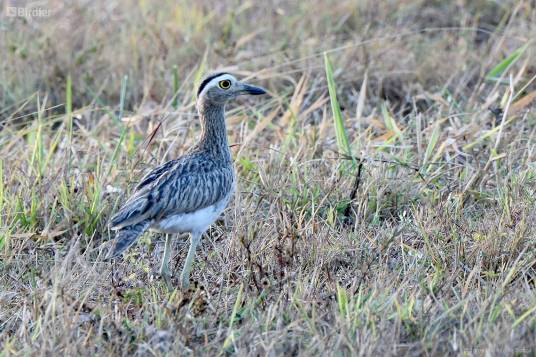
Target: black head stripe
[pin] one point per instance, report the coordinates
(207, 80)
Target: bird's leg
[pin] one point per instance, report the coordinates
(185, 275)
(164, 269)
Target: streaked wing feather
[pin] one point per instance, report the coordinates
(187, 185)
(154, 174)
(193, 192)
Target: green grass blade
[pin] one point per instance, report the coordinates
(431, 144)
(69, 96)
(485, 136)
(198, 75)
(1, 189)
(340, 131)
(505, 64)
(390, 124)
(524, 316)
(175, 102)
(125, 127)
(69, 116)
(230, 336)
(122, 97)
(342, 301)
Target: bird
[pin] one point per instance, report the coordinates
(186, 194)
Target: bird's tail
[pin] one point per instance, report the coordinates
(126, 237)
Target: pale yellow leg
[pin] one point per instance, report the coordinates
(164, 269)
(185, 275)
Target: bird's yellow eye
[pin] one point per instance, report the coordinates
(225, 84)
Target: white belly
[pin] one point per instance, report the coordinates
(198, 221)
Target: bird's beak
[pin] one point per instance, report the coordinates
(249, 89)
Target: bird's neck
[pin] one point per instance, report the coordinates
(213, 131)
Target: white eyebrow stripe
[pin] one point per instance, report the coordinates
(215, 81)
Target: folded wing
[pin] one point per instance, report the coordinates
(176, 187)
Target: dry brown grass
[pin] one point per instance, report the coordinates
(435, 256)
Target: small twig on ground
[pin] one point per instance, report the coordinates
(353, 193)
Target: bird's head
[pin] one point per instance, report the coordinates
(219, 88)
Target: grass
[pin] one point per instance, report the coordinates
(425, 247)
(340, 131)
